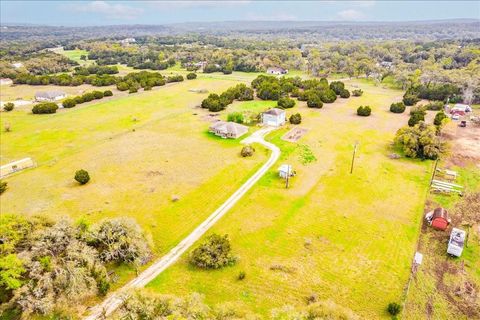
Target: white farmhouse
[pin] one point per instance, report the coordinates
(274, 117)
(276, 70)
(229, 130)
(50, 95)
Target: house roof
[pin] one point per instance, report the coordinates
(275, 69)
(229, 127)
(440, 213)
(49, 94)
(275, 111)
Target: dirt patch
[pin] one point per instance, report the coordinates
(295, 134)
(465, 144)
(211, 117)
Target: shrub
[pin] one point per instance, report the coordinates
(357, 92)
(247, 151)
(295, 118)
(8, 106)
(241, 275)
(314, 102)
(147, 88)
(45, 107)
(410, 99)
(345, 94)
(439, 117)
(3, 186)
(328, 96)
(364, 111)
(236, 117)
(420, 141)
(337, 87)
(78, 99)
(191, 76)
(69, 103)
(87, 97)
(97, 94)
(213, 253)
(285, 103)
(398, 107)
(394, 308)
(122, 86)
(107, 93)
(415, 119)
(434, 105)
(82, 176)
(132, 90)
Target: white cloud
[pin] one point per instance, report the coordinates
(351, 15)
(109, 10)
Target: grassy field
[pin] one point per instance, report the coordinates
(341, 236)
(140, 151)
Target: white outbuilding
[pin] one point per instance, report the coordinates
(285, 170)
(274, 117)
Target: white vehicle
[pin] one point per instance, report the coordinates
(455, 117)
(456, 242)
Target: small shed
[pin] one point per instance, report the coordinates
(285, 170)
(15, 166)
(456, 242)
(438, 219)
(274, 117)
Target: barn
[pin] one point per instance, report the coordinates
(15, 166)
(438, 219)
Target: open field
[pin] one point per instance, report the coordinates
(344, 237)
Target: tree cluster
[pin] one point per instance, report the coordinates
(398, 107)
(213, 253)
(364, 111)
(45, 108)
(143, 79)
(215, 102)
(95, 69)
(86, 97)
(419, 141)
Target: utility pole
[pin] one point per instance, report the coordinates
(353, 156)
(434, 171)
(288, 176)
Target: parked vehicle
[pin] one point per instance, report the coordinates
(463, 123)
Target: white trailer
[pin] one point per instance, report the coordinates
(456, 242)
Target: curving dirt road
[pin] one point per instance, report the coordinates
(114, 300)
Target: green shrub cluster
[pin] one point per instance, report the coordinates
(213, 253)
(82, 176)
(86, 97)
(398, 107)
(357, 92)
(143, 79)
(191, 76)
(215, 102)
(285, 103)
(8, 106)
(45, 108)
(364, 111)
(295, 118)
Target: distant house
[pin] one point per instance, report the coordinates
(274, 117)
(438, 219)
(276, 70)
(127, 41)
(15, 166)
(460, 109)
(17, 65)
(456, 242)
(53, 95)
(5, 81)
(230, 130)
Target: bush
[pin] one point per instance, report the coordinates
(97, 94)
(398, 107)
(8, 106)
(3, 186)
(191, 76)
(295, 118)
(364, 111)
(415, 119)
(394, 308)
(314, 102)
(107, 93)
(213, 253)
(420, 141)
(241, 275)
(439, 117)
(285, 103)
(337, 87)
(247, 151)
(434, 106)
(122, 86)
(78, 99)
(236, 117)
(45, 107)
(410, 99)
(357, 92)
(69, 103)
(87, 97)
(328, 96)
(345, 94)
(82, 176)
(132, 90)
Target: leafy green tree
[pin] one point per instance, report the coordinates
(247, 151)
(8, 106)
(97, 94)
(295, 118)
(11, 270)
(394, 308)
(82, 176)
(191, 76)
(410, 99)
(328, 96)
(364, 111)
(398, 107)
(416, 118)
(337, 87)
(213, 253)
(236, 117)
(285, 103)
(3, 186)
(45, 108)
(69, 103)
(314, 101)
(107, 93)
(419, 141)
(345, 94)
(439, 118)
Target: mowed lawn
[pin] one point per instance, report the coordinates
(141, 151)
(340, 236)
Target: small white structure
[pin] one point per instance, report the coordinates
(17, 65)
(276, 70)
(456, 242)
(5, 81)
(127, 41)
(418, 258)
(285, 170)
(50, 95)
(16, 166)
(226, 130)
(274, 117)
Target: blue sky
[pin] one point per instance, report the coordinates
(72, 13)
